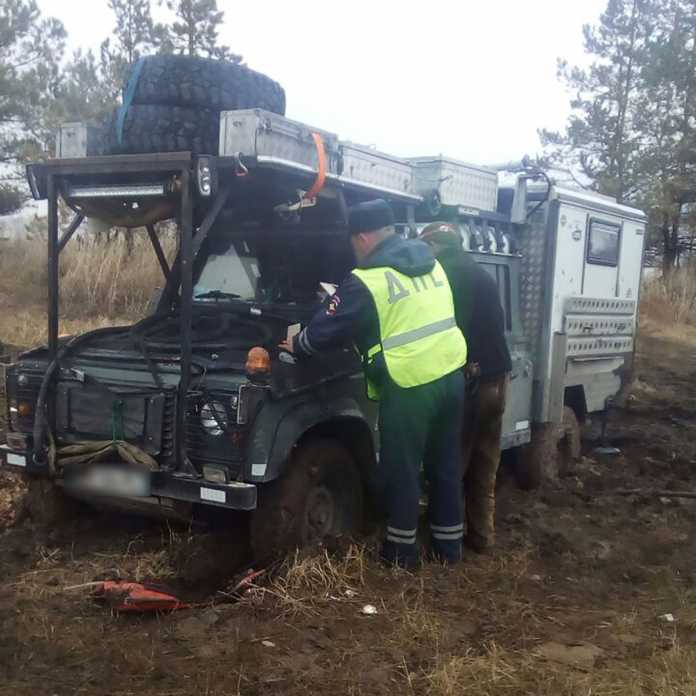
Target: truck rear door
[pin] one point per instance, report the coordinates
(602, 256)
(598, 255)
(631, 259)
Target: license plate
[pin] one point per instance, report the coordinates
(16, 459)
(213, 495)
(111, 480)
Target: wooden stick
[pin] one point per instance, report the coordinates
(83, 585)
(652, 493)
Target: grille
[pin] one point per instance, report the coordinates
(227, 449)
(30, 392)
(160, 425)
(168, 426)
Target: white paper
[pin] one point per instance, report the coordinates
(293, 330)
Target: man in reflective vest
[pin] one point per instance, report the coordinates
(481, 319)
(397, 308)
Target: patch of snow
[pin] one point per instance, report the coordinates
(14, 226)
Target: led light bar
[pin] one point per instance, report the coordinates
(130, 191)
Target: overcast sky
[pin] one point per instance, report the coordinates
(470, 79)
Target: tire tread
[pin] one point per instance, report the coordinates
(205, 83)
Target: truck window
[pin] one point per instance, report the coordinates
(501, 275)
(262, 266)
(603, 244)
(231, 267)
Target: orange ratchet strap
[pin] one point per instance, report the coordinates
(319, 182)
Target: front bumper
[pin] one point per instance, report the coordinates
(160, 484)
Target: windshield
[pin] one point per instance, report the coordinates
(261, 266)
(231, 268)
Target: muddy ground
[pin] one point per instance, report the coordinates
(571, 602)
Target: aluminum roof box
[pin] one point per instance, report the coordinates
(275, 140)
(456, 183)
(366, 167)
(78, 139)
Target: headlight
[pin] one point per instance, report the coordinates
(214, 418)
(206, 176)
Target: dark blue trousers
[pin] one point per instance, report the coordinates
(421, 425)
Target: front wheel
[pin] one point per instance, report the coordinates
(319, 497)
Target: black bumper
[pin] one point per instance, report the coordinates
(162, 484)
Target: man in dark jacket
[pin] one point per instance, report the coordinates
(482, 321)
(397, 308)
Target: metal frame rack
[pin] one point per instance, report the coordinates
(194, 187)
(57, 178)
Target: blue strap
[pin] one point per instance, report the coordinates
(128, 95)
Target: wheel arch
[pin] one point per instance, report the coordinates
(341, 421)
(352, 433)
(574, 397)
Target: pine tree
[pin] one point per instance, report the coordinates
(78, 93)
(135, 34)
(633, 126)
(31, 48)
(668, 122)
(84, 93)
(601, 135)
(195, 29)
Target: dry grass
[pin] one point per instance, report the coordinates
(672, 299)
(65, 571)
(418, 622)
(490, 672)
(306, 579)
(27, 327)
(498, 672)
(323, 574)
(102, 283)
(668, 306)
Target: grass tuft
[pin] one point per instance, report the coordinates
(308, 579)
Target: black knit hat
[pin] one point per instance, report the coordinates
(370, 216)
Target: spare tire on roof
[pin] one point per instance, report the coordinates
(202, 83)
(146, 128)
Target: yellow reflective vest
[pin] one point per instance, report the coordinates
(419, 338)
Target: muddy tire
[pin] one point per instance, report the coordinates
(318, 499)
(551, 453)
(201, 83)
(155, 128)
(45, 504)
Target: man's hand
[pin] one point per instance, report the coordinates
(287, 346)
